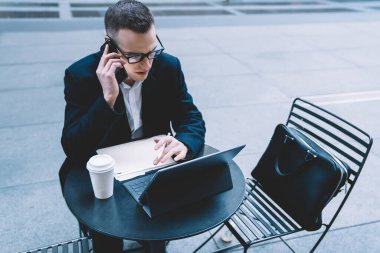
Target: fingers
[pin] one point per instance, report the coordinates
(106, 62)
(181, 155)
(165, 149)
(158, 158)
(176, 148)
(106, 49)
(172, 151)
(102, 59)
(111, 66)
(111, 57)
(165, 140)
(106, 56)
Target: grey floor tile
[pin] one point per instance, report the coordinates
(318, 29)
(52, 38)
(260, 44)
(32, 76)
(292, 61)
(361, 40)
(370, 28)
(212, 66)
(252, 125)
(233, 90)
(179, 34)
(374, 71)
(34, 215)
(351, 240)
(241, 32)
(364, 115)
(31, 106)
(360, 56)
(322, 82)
(191, 243)
(37, 155)
(193, 47)
(247, 162)
(16, 54)
(193, 81)
(376, 147)
(277, 247)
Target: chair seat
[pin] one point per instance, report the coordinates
(80, 245)
(259, 218)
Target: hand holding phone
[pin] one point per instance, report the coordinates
(109, 63)
(120, 73)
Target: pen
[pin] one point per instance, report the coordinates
(162, 150)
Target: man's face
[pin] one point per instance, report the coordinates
(131, 42)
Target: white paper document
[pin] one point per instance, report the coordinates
(134, 158)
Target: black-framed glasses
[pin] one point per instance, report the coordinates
(138, 57)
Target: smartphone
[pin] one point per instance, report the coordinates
(120, 73)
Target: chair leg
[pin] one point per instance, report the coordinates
(80, 230)
(282, 239)
(228, 248)
(320, 239)
(83, 230)
(208, 239)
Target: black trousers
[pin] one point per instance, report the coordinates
(106, 244)
(102, 243)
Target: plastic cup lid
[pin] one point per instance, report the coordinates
(100, 163)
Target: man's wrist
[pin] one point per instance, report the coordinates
(110, 101)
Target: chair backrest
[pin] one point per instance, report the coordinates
(80, 245)
(341, 138)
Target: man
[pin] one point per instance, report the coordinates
(153, 97)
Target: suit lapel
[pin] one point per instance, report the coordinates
(120, 107)
(119, 103)
(148, 92)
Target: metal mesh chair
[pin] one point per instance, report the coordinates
(80, 245)
(260, 219)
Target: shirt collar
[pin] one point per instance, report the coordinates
(136, 85)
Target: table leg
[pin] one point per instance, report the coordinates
(156, 247)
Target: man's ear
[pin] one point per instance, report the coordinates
(106, 37)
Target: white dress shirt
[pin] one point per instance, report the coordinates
(132, 99)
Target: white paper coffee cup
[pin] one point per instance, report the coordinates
(101, 169)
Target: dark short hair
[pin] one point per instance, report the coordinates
(128, 14)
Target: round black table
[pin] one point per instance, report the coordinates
(120, 216)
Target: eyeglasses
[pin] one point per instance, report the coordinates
(138, 57)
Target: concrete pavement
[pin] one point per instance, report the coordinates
(243, 76)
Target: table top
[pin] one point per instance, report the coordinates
(120, 216)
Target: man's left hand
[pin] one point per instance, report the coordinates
(172, 147)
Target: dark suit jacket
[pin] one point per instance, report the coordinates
(91, 124)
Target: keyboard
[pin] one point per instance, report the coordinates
(137, 186)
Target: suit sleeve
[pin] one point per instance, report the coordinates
(86, 120)
(187, 120)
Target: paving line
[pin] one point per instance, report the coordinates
(7, 187)
(345, 98)
(32, 124)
